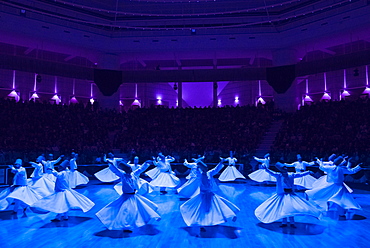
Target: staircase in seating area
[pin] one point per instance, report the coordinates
(267, 141)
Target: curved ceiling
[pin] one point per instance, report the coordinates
(141, 34)
(178, 14)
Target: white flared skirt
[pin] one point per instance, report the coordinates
(207, 209)
(190, 188)
(129, 211)
(144, 187)
(106, 175)
(63, 201)
(50, 177)
(335, 193)
(305, 182)
(77, 178)
(153, 173)
(165, 179)
(280, 206)
(25, 194)
(261, 175)
(42, 185)
(230, 174)
(322, 182)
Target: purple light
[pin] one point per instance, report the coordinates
(345, 93)
(326, 96)
(219, 102)
(56, 98)
(34, 96)
(13, 94)
(73, 100)
(260, 100)
(366, 91)
(92, 100)
(307, 98)
(136, 102)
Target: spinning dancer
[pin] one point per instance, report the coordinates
(130, 210)
(231, 172)
(20, 193)
(304, 182)
(107, 175)
(39, 180)
(261, 175)
(334, 195)
(75, 177)
(162, 174)
(64, 198)
(285, 203)
(49, 166)
(144, 186)
(192, 186)
(208, 208)
(322, 180)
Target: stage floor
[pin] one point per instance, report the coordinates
(85, 230)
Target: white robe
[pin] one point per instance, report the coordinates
(208, 208)
(130, 210)
(284, 204)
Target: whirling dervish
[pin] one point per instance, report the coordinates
(334, 195)
(39, 180)
(107, 175)
(306, 181)
(192, 186)
(261, 175)
(144, 186)
(76, 178)
(20, 193)
(285, 203)
(207, 208)
(130, 210)
(230, 173)
(162, 175)
(64, 198)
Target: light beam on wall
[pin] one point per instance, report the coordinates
(35, 83)
(55, 84)
(13, 79)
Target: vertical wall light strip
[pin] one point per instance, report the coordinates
(325, 81)
(135, 91)
(74, 83)
(55, 84)
(34, 85)
(259, 87)
(344, 79)
(367, 75)
(306, 85)
(91, 90)
(13, 79)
